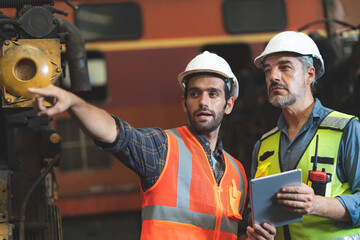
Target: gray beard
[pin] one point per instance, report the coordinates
(282, 102)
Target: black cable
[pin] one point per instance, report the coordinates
(26, 199)
(68, 2)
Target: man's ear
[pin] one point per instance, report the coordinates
(183, 104)
(310, 75)
(229, 105)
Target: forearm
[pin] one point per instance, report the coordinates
(95, 122)
(330, 208)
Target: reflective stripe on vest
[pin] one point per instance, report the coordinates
(337, 122)
(174, 214)
(330, 133)
(206, 221)
(182, 213)
(241, 186)
(184, 171)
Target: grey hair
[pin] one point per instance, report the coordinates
(308, 62)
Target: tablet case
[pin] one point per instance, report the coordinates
(263, 200)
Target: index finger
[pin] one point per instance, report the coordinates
(303, 188)
(47, 91)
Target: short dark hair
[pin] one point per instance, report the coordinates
(226, 83)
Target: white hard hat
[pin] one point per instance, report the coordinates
(207, 62)
(295, 42)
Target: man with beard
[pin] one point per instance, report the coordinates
(329, 197)
(191, 187)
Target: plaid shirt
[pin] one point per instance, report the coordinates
(144, 151)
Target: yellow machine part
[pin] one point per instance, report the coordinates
(27, 63)
(6, 229)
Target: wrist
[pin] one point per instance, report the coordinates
(75, 102)
(317, 204)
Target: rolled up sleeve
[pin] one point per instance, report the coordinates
(349, 170)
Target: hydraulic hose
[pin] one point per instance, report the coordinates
(75, 56)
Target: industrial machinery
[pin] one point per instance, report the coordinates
(30, 56)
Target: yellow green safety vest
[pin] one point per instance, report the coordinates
(330, 132)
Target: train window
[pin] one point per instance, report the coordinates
(109, 21)
(98, 78)
(79, 152)
(242, 16)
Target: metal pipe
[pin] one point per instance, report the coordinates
(8, 21)
(21, 3)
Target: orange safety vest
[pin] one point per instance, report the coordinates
(186, 202)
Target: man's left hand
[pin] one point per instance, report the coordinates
(265, 231)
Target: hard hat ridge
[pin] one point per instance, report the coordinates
(210, 63)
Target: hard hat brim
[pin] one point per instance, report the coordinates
(184, 74)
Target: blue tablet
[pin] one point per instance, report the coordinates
(264, 207)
